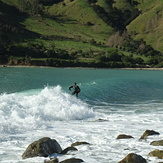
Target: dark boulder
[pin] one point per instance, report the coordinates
(72, 160)
(156, 153)
(101, 120)
(149, 133)
(42, 147)
(123, 136)
(133, 158)
(79, 143)
(66, 150)
(157, 143)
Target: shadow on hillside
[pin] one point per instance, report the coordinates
(11, 19)
(62, 19)
(11, 14)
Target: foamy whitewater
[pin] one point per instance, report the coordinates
(36, 103)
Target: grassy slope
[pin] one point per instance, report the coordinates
(70, 20)
(103, 4)
(11, 20)
(122, 5)
(149, 24)
(77, 14)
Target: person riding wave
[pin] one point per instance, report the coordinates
(76, 89)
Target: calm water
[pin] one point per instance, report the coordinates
(36, 102)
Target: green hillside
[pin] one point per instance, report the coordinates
(149, 25)
(87, 33)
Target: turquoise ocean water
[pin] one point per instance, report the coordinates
(36, 102)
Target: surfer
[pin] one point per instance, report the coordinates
(76, 90)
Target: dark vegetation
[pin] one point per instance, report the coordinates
(21, 46)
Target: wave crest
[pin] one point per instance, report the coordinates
(25, 111)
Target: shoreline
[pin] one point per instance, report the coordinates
(19, 66)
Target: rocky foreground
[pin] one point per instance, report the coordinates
(45, 147)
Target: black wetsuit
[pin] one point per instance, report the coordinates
(76, 90)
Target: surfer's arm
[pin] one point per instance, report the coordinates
(70, 88)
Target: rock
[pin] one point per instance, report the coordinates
(156, 153)
(52, 160)
(157, 143)
(148, 133)
(133, 158)
(123, 136)
(101, 120)
(72, 160)
(42, 147)
(68, 149)
(79, 143)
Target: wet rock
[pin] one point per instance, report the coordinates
(52, 160)
(123, 136)
(149, 133)
(101, 120)
(133, 158)
(66, 150)
(156, 153)
(72, 160)
(42, 147)
(157, 143)
(79, 143)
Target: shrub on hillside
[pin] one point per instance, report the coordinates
(31, 7)
(47, 2)
(111, 55)
(92, 1)
(159, 65)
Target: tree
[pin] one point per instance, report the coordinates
(110, 4)
(139, 60)
(127, 59)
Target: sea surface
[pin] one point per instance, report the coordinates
(36, 103)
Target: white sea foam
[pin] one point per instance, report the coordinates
(51, 112)
(20, 112)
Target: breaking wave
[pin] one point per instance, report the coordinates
(40, 109)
